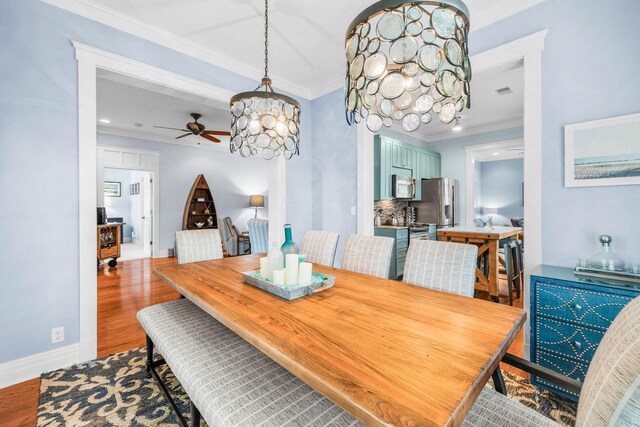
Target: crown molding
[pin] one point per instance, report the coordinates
(157, 35)
(497, 11)
(443, 136)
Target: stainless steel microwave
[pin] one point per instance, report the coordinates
(403, 187)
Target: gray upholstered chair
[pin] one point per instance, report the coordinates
(258, 235)
(368, 255)
(198, 245)
(443, 266)
(319, 247)
(610, 395)
(229, 237)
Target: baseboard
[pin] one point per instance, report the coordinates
(27, 368)
(127, 240)
(161, 254)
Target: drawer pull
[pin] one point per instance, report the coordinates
(577, 344)
(578, 307)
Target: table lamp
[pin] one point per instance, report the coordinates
(256, 201)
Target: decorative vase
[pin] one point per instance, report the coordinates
(289, 246)
(275, 260)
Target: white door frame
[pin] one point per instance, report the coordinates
(89, 60)
(128, 158)
(529, 49)
(471, 157)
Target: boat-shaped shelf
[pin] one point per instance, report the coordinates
(319, 282)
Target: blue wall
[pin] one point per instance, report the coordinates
(334, 169)
(501, 188)
(588, 66)
(39, 163)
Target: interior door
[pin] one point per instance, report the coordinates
(146, 198)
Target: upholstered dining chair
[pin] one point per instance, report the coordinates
(443, 266)
(258, 235)
(609, 396)
(198, 245)
(368, 255)
(319, 247)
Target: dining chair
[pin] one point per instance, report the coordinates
(609, 396)
(368, 255)
(198, 245)
(319, 247)
(258, 235)
(443, 266)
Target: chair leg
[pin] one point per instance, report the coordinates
(149, 356)
(498, 381)
(195, 416)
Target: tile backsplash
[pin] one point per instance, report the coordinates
(389, 208)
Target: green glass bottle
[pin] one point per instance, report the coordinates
(289, 246)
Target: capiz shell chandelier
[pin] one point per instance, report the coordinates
(408, 62)
(263, 121)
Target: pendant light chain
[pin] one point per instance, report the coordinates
(266, 39)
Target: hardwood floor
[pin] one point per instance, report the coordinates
(121, 293)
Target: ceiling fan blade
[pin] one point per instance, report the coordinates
(217, 132)
(210, 138)
(182, 136)
(162, 127)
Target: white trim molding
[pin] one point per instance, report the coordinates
(529, 49)
(157, 35)
(27, 368)
(471, 156)
(91, 59)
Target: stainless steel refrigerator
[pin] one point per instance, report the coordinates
(439, 203)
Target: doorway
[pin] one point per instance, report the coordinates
(132, 208)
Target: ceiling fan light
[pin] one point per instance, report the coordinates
(457, 127)
(400, 51)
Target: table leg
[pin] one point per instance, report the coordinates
(494, 262)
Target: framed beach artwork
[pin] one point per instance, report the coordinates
(111, 189)
(603, 152)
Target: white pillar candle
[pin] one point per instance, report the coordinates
(278, 277)
(264, 268)
(291, 263)
(304, 274)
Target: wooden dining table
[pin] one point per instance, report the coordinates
(384, 351)
(487, 239)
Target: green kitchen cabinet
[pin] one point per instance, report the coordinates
(392, 156)
(382, 160)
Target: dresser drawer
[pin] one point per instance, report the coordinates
(401, 252)
(563, 365)
(403, 234)
(594, 309)
(400, 266)
(567, 339)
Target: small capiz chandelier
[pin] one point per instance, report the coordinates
(263, 121)
(408, 61)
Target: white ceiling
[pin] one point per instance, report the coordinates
(306, 37)
(489, 111)
(125, 101)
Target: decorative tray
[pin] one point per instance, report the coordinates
(624, 276)
(319, 282)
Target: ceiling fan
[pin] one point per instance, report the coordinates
(198, 129)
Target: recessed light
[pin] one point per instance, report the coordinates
(457, 127)
(138, 125)
(496, 154)
(504, 90)
(105, 121)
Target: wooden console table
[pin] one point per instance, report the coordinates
(487, 241)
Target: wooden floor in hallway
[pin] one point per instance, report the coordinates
(122, 292)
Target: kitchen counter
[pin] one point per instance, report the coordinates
(393, 227)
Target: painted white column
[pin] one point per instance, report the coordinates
(365, 172)
(277, 199)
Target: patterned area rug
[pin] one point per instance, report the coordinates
(114, 391)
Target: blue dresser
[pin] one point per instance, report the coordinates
(570, 315)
